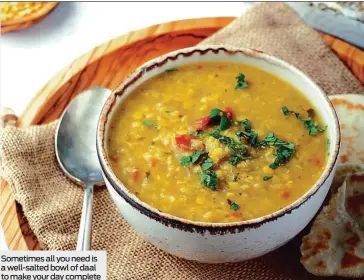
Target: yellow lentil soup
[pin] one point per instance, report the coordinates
(217, 142)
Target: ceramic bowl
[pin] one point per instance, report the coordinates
(219, 242)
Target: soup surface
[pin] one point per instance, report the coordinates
(217, 142)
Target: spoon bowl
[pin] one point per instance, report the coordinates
(75, 144)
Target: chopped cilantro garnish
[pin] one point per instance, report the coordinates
(283, 153)
(287, 112)
(171, 70)
(207, 164)
(209, 179)
(272, 140)
(168, 111)
(208, 176)
(233, 205)
(246, 125)
(235, 178)
(214, 113)
(236, 147)
(197, 155)
(216, 133)
(241, 83)
(149, 123)
(266, 178)
(220, 117)
(185, 160)
(308, 122)
(312, 126)
(225, 123)
(250, 135)
(237, 157)
(226, 140)
(238, 150)
(240, 135)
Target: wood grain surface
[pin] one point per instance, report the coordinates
(18, 24)
(107, 65)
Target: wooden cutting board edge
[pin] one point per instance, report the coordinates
(90, 69)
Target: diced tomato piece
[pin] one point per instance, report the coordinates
(229, 112)
(202, 123)
(184, 141)
(199, 67)
(135, 175)
(236, 214)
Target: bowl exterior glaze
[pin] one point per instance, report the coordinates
(219, 242)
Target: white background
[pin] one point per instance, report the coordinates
(30, 57)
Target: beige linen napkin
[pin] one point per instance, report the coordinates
(52, 203)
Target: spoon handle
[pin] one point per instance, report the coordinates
(84, 235)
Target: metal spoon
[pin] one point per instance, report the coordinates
(76, 151)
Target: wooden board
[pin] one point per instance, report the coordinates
(107, 65)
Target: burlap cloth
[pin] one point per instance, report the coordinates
(52, 203)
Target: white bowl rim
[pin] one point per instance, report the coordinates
(191, 225)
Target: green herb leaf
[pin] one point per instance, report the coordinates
(266, 178)
(171, 70)
(209, 179)
(149, 123)
(215, 112)
(216, 133)
(237, 157)
(284, 152)
(185, 160)
(308, 122)
(220, 116)
(233, 205)
(246, 125)
(207, 164)
(241, 83)
(235, 178)
(197, 155)
(168, 111)
(240, 148)
(274, 165)
(313, 130)
(252, 138)
(225, 123)
(240, 135)
(250, 135)
(226, 140)
(287, 112)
